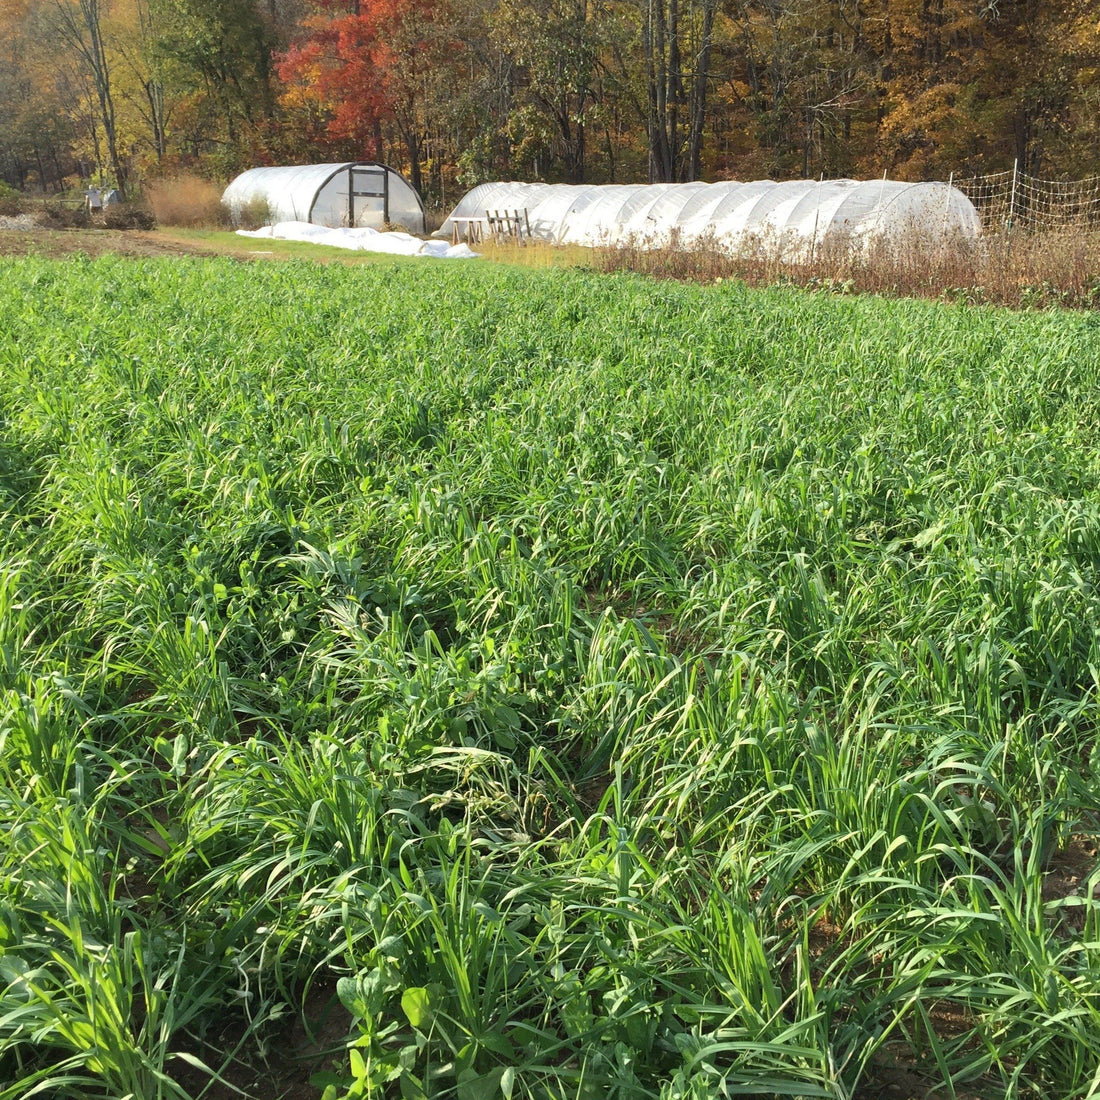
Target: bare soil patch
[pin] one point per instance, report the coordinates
(313, 1040)
(92, 242)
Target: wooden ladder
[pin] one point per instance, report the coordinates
(509, 225)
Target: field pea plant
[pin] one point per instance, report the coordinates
(602, 687)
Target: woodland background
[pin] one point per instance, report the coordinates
(453, 92)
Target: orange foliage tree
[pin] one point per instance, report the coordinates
(354, 74)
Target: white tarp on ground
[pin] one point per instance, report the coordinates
(360, 240)
(791, 219)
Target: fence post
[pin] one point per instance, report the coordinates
(817, 215)
(1012, 193)
(947, 208)
(1011, 208)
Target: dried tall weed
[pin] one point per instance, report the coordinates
(1016, 267)
(186, 200)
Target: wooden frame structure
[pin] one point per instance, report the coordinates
(500, 225)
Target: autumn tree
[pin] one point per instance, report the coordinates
(677, 39)
(356, 72)
(458, 91)
(79, 25)
(142, 76)
(36, 127)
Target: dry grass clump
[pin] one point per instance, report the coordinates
(186, 200)
(1010, 267)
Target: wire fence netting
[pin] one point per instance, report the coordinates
(1014, 198)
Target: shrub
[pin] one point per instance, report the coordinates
(12, 202)
(254, 214)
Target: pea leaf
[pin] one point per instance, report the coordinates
(416, 1004)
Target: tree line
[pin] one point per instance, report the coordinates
(454, 92)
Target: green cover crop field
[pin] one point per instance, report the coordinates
(594, 687)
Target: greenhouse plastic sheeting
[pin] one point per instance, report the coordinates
(335, 195)
(791, 218)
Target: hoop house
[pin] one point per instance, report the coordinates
(334, 195)
(792, 218)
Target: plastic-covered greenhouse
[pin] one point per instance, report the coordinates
(794, 217)
(336, 195)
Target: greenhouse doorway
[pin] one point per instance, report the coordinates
(367, 184)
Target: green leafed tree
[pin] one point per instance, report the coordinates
(224, 52)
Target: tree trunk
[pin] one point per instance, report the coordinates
(154, 94)
(675, 94)
(82, 27)
(655, 39)
(699, 92)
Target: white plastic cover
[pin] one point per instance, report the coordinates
(792, 218)
(363, 239)
(319, 194)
